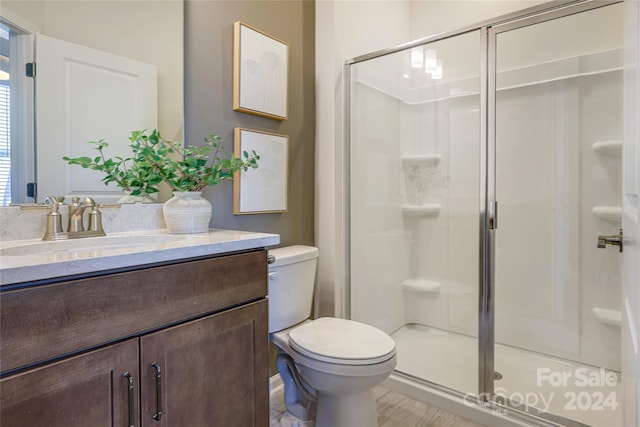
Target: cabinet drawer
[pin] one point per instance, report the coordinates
(48, 321)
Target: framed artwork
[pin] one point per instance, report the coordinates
(260, 73)
(261, 190)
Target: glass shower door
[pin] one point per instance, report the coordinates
(558, 133)
(415, 146)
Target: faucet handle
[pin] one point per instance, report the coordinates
(54, 223)
(95, 220)
(54, 199)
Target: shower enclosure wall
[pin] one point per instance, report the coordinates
(524, 119)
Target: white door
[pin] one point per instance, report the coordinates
(82, 95)
(630, 224)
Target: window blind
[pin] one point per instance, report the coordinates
(5, 145)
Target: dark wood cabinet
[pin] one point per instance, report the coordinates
(185, 345)
(212, 371)
(86, 390)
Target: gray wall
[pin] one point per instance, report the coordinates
(208, 87)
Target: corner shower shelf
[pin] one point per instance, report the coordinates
(608, 317)
(424, 159)
(608, 213)
(422, 285)
(609, 148)
(428, 209)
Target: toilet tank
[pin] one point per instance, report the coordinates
(291, 280)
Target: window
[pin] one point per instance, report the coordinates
(17, 148)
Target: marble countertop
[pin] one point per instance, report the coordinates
(34, 260)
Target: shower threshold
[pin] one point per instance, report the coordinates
(572, 390)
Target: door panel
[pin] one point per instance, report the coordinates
(82, 95)
(214, 371)
(415, 146)
(558, 176)
(85, 390)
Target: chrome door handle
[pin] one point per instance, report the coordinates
(615, 240)
(158, 415)
(131, 389)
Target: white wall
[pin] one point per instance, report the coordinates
(430, 17)
(380, 253)
(549, 273)
(344, 29)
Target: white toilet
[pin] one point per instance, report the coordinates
(329, 366)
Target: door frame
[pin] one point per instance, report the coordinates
(630, 217)
(22, 125)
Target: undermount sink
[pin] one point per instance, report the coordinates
(89, 244)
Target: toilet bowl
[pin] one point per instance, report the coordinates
(341, 378)
(329, 366)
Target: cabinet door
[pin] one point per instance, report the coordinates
(213, 371)
(86, 390)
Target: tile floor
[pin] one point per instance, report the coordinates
(394, 410)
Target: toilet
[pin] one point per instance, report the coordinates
(329, 366)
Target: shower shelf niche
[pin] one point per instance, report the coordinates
(608, 213)
(422, 159)
(428, 209)
(607, 316)
(420, 173)
(608, 148)
(422, 285)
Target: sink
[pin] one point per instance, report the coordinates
(89, 244)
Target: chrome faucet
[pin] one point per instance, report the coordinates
(75, 229)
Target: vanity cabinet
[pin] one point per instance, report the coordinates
(80, 391)
(184, 344)
(211, 371)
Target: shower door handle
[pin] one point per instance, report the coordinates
(493, 215)
(615, 240)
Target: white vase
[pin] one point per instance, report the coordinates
(187, 212)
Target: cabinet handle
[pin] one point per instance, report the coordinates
(132, 415)
(158, 413)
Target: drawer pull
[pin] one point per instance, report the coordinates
(158, 413)
(132, 414)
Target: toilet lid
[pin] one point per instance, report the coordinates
(342, 341)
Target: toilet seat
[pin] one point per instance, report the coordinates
(342, 341)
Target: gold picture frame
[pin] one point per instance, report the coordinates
(261, 190)
(260, 73)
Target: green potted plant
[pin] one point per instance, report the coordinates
(188, 170)
(136, 179)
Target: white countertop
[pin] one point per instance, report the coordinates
(34, 260)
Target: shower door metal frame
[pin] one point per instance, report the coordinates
(493, 32)
(488, 209)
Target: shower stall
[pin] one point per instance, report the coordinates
(483, 164)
